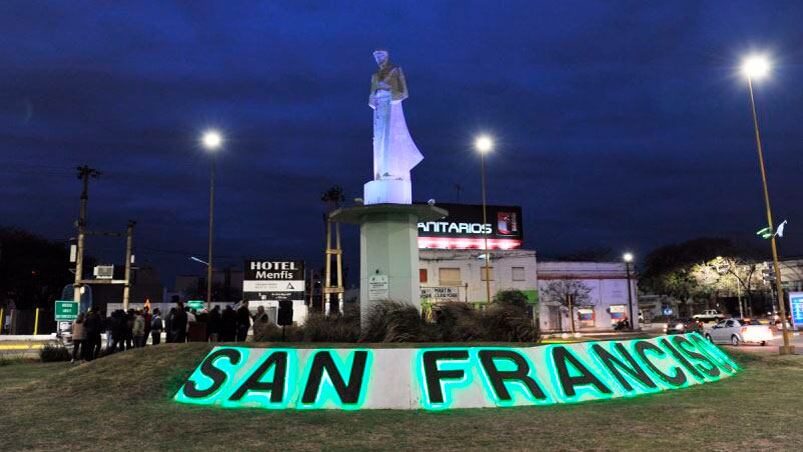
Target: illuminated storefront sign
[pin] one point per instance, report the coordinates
(464, 228)
(454, 377)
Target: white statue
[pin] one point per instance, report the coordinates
(395, 153)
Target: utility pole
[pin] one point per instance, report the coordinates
(569, 301)
(129, 239)
(84, 173)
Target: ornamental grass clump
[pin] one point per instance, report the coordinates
(54, 353)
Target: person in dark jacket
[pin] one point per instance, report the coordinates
(213, 325)
(178, 325)
(92, 328)
(228, 325)
(156, 327)
(117, 332)
(169, 325)
(129, 329)
(243, 321)
(146, 315)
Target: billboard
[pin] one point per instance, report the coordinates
(796, 305)
(463, 228)
(273, 280)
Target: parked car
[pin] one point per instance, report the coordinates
(737, 331)
(682, 326)
(709, 316)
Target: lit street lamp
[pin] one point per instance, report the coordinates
(628, 258)
(757, 67)
(211, 140)
(483, 144)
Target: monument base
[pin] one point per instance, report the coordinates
(388, 191)
(388, 251)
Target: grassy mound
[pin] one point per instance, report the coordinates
(123, 402)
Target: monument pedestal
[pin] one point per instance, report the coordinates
(388, 251)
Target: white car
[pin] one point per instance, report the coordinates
(737, 331)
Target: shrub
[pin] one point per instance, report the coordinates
(457, 322)
(512, 297)
(506, 322)
(54, 353)
(393, 321)
(332, 328)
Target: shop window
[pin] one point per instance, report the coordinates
(486, 276)
(422, 275)
(518, 274)
(618, 312)
(449, 277)
(585, 317)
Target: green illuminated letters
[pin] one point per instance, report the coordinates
(322, 362)
(561, 357)
(498, 378)
(277, 360)
(614, 365)
(642, 347)
(209, 370)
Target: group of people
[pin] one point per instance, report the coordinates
(132, 328)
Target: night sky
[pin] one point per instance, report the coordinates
(621, 125)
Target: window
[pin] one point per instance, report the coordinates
(484, 276)
(449, 277)
(422, 275)
(518, 274)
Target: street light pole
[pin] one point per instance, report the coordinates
(786, 348)
(211, 228)
(211, 141)
(628, 258)
(483, 145)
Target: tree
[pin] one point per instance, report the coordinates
(570, 293)
(33, 270)
(694, 269)
(511, 297)
(730, 276)
(333, 197)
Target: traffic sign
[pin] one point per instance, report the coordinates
(66, 310)
(195, 304)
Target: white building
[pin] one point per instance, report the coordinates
(607, 284)
(459, 275)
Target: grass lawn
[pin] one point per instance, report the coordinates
(123, 403)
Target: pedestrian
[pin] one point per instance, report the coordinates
(92, 334)
(243, 321)
(156, 327)
(261, 324)
(213, 324)
(146, 316)
(178, 324)
(118, 330)
(109, 327)
(138, 329)
(129, 329)
(78, 337)
(228, 325)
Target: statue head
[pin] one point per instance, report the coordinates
(381, 56)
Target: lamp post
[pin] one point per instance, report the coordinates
(756, 67)
(628, 258)
(211, 141)
(483, 144)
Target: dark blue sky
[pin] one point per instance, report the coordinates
(618, 124)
